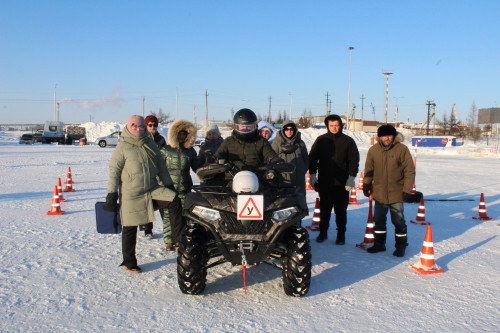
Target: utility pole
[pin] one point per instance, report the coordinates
(349, 87)
(290, 106)
(206, 107)
(269, 117)
(55, 103)
(194, 116)
(327, 104)
(429, 104)
(386, 93)
(362, 111)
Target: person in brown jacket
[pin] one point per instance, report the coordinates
(389, 177)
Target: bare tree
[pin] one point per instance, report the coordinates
(474, 132)
(162, 117)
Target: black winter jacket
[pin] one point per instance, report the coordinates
(335, 157)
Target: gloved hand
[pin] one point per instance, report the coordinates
(111, 202)
(314, 182)
(349, 185)
(367, 190)
(270, 175)
(406, 197)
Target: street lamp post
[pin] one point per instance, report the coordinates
(349, 86)
(386, 93)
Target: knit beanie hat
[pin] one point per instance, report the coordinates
(150, 119)
(214, 129)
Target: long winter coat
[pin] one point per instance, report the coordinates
(335, 157)
(294, 151)
(247, 154)
(180, 159)
(390, 170)
(134, 169)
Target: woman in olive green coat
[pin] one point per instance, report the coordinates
(134, 169)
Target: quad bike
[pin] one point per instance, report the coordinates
(217, 230)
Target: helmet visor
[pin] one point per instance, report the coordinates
(245, 128)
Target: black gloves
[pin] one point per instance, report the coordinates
(367, 190)
(406, 197)
(111, 202)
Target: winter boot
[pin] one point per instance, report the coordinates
(401, 244)
(322, 237)
(379, 245)
(340, 238)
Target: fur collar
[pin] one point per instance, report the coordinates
(175, 128)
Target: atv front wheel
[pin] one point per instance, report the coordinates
(297, 263)
(192, 261)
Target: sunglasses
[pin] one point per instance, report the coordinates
(288, 128)
(152, 125)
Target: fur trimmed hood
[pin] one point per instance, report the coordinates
(175, 128)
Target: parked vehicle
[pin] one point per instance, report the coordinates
(27, 139)
(109, 140)
(38, 135)
(217, 230)
(199, 141)
(53, 131)
(74, 133)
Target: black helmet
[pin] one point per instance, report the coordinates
(245, 123)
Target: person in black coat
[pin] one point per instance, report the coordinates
(335, 157)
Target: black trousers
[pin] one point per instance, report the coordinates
(335, 197)
(129, 234)
(174, 209)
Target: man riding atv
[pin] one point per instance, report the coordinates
(247, 177)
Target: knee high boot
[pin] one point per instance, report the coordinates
(401, 244)
(379, 245)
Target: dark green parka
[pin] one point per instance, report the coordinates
(181, 158)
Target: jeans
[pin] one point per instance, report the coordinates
(397, 217)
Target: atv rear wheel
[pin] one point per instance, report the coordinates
(192, 261)
(297, 263)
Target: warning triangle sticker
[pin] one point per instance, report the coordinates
(250, 210)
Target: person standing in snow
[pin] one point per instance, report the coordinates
(212, 142)
(267, 130)
(336, 158)
(389, 177)
(180, 157)
(290, 147)
(134, 169)
(151, 123)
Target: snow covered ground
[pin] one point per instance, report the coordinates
(59, 275)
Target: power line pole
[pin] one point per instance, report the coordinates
(206, 107)
(269, 118)
(327, 104)
(429, 104)
(349, 87)
(386, 93)
(362, 111)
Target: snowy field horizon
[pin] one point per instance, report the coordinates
(59, 274)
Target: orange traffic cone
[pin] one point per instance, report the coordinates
(55, 209)
(421, 215)
(69, 182)
(308, 182)
(426, 265)
(59, 190)
(370, 225)
(360, 185)
(482, 210)
(315, 223)
(352, 198)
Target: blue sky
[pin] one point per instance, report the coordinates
(101, 58)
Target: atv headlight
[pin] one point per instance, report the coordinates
(284, 214)
(206, 213)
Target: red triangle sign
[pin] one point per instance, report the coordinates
(250, 210)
